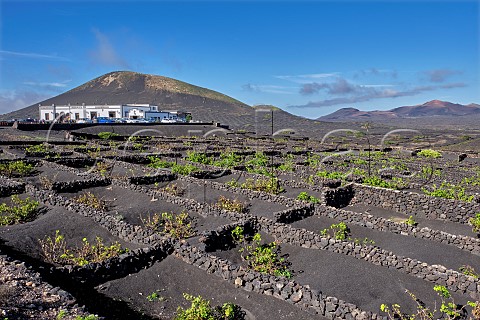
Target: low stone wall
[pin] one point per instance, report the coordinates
(220, 238)
(74, 162)
(152, 179)
(453, 280)
(48, 154)
(312, 301)
(118, 267)
(416, 204)
(9, 187)
(77, 185)
(294, 214)
(339, 197)
(469, 244)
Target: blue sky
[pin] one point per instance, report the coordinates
(309, 58)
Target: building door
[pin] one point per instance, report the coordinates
(77, 116)
(111, 114)
(93, 115)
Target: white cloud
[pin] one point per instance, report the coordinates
(306, 78)
(33, 55)
(266, 88)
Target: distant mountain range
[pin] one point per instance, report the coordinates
(434, 108)
(207, 105)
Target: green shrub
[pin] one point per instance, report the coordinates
(304, 196)
(330, 175)
(475, 223)
(338, 231)
(289, 164)
(184, 169)
(259, 164)
(16, 168)
(178, 226)
(448, 308)
(263, 258)
(469, 271)
(200, 309)
(229, 160)
(107, 135)
(55, 251)
(199, 157)
(429, 153)
(20, 211)
(231, 205)
(38, 148)
(266, 185)
(448, 191)
(159, 163)
(375, 181)
(411, 221)
(91, 200)
(233, 183)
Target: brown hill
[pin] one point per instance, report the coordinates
(131, 87)
(170, 94)
(434, 108)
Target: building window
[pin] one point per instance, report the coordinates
(77, 116)
(47, 116)
(93, 115)
(111, 114)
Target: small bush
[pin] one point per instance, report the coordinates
(231, 205)
(184, 169)
(304, 196)
(16, 169)
(178, 226)
(91, 200)
(411, 221)
(429, 153)
(475, 223)
(200, 309)
(107, 135)
(21, 211)
(199, 157)
(335, 175)
(469, 271)
(102, 168)
(229, 160)
(265, 185)
(173, 189)
(375, 181)
(448, 191)
(233, 183)
(39, 148)
(159, 163)
(263, 258)
(448, 309)
(338, 231)
(55, 251)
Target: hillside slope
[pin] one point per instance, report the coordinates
(130, 87)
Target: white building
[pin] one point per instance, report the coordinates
(92, 112)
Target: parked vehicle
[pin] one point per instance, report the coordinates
(105, 120)
(84, 120)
